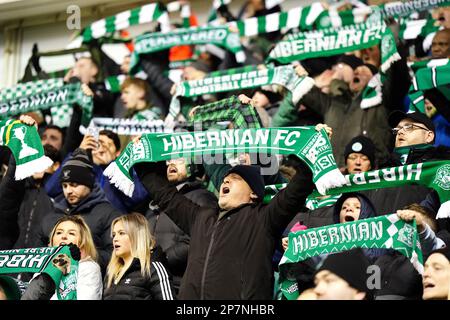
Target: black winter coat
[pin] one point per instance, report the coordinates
(230, 256)
(98, 214)
(132, 286)
(173, 241)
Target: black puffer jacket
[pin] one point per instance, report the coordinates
(230, 255)
(98, 214)
(173, 241)
(132, 286)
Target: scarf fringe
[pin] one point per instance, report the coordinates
(387, 64)
(444, 211)
(303, 88)
(330, 180)
(119, 179)
(31, 167)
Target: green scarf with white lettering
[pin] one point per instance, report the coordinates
(42, 95)
(153, 42)
(311, 146)
(332, 41)
(26, 147)
(387, 231)
(242, 78)
(426, 79)
(41, 260)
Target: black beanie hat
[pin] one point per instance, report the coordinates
(444, 251)
(361, 144)
(349, 265)
(350, 60)
(251, 175)
(78, 169)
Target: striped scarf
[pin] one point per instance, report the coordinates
(26, 147)
(333, 41)
(145, 14)
(426, 79)
(127, 127)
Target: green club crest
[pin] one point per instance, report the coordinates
(406, 235)
(387, 44)
(442, 178)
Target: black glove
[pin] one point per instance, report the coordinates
(74, 252)
(142, 168)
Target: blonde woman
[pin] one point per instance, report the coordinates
(131, 273)
(72, 229)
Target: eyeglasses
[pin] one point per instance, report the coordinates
(408, 128)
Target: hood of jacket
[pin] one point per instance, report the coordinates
(94, 198)
(367, 208)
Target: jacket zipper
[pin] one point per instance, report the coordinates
(202, 287)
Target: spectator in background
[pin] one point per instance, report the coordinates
(83, 196)
(436, 275)
(359, 155)
(133, 272)
(54, 136)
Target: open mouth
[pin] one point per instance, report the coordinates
(349, 219)
(428, 285)
(225, 190)
(356, 80)
(356, 170)
(172, 170)
(116, 246)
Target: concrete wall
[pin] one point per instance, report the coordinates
(51, 33)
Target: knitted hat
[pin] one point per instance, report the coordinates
(444, 251)
(350, 60)
(397, 116)
(351, 266)
(361, 144)
(78, 169)
(251, 175)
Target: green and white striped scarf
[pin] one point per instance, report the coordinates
(145, 14)
(372, 93)
(40, 260)
(333, 41)
(183, 8)
(242, 78)
(42, 95)
(387, 231)
(153, 42)
(311, 146)
(429, 63)
(126, 127)
(426, 79)
(26, 147)
(411, 29)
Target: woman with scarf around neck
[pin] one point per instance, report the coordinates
(133, 272)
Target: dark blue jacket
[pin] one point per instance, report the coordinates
(116, 197)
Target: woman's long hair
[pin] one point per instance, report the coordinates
(86, 244)
(142, 243)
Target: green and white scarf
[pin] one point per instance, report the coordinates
(429, 64)
(145, 14)
(333, 41)
(311, 146)
(411, 29)
(388, 232)
(26, 147)
(426, 79)
(40, 260)
(127, 127)
(372, 94)
(242, 78)
(153, 42)
(42, 95)
(312, 203)
(242, 116)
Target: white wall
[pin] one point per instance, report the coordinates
(56, 36)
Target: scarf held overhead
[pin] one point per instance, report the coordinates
(332, 41)
(26, 147)
(387, 231)
(41, 260)
(153, 42)
(311, 146)
(42, 95)
(242, 78)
